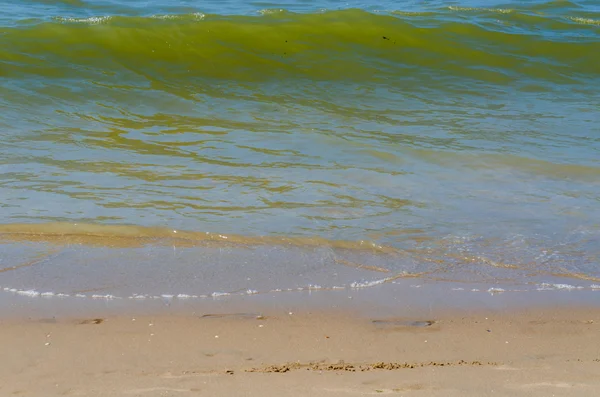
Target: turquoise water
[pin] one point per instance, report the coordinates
(455, 140)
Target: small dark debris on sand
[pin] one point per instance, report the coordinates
(92, 321)
(388, 366)
(404, 323)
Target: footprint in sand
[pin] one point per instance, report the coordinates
(403, 323)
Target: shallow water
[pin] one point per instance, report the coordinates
(446, 140)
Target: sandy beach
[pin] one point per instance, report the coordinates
(533, 352)
(299, 198)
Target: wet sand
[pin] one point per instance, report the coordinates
(532, 352)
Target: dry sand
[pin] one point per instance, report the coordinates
(539, 352)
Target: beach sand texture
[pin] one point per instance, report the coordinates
(536, 352)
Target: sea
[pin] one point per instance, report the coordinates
(190, 150)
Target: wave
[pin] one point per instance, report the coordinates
(347, 45)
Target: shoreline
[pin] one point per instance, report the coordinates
(62, 260)
(408, 296)
(529, 352)
(383, 332)
(407, 337)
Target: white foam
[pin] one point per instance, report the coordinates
(367, 284)
(585, 21)
(30, 292)
(198, 16)
(88, 21)
(186, 296)
(271, 11)
(167, 16)
(495, 10)
(549, 287)
(107, 297)
(544, 287)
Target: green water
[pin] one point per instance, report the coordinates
(451, 131)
